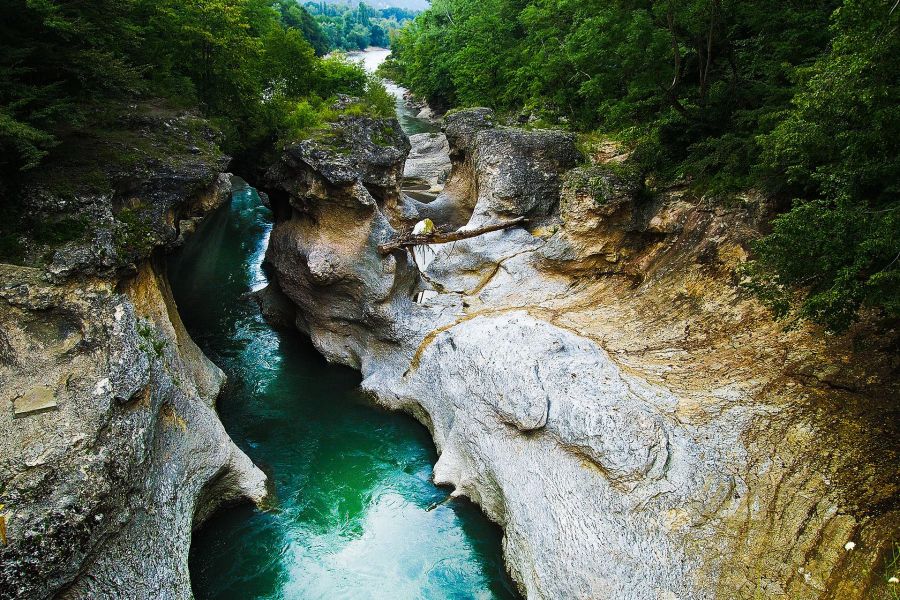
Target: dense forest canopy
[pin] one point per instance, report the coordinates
(357, 26)
(414, 5)
(793, 97)
(293, 15)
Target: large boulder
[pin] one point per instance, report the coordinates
(501, 173)
(111, 450)
(370, 151)
(110, 447)
(519, 173)
(124, 196)
(574, 457)
(462, 127)
(332, 196)
(428, 163)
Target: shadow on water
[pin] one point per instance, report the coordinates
(352, 483)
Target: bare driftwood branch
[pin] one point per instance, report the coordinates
(408, 240)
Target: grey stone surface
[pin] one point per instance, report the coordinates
(429, 160)
(462, 127)
(583, 381)
(36, 399)
(354, 149)
(147, 197)
(602, 458)
(102, 493)
(111, 451)
(519, 173)
(325, 255)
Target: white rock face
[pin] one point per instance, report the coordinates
(429, 160)
(626, 452)
(580, 463)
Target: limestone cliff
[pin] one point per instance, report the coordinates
(111, 449)
(598, 383)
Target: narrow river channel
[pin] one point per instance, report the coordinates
(354, 513)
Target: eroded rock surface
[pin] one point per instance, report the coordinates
(102, 486)
(428, 163)
(598, 383)
(324, 246)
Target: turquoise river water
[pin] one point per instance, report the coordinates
(354, 513)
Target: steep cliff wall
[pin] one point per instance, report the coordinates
(111, 450)
(598, 383)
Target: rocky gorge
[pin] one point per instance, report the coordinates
(593, 374)
(596, 380)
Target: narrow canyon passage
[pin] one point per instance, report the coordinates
(353, 513)
(429, 299)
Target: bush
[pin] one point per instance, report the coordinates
(838, 150)
(378, 100)
(302, 119)
(336, 74)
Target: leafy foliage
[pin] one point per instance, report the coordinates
(308, 117)
(837, 148)
(242, 61)
(796, 97)
(52, 57)
(295, 16)
(86, 86)
(356, 27)
(693, 80)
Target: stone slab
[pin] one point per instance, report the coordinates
(36, 400)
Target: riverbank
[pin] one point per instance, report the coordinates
(414, 116)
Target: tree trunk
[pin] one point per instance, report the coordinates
(408, 240)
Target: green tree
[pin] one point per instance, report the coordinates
(244, 63)
(719, 94)
(289, 64)
(294, 16)
(55, 57)
(355, 27)
(837, 148)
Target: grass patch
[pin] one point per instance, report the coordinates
(150, 343)
(133, 237)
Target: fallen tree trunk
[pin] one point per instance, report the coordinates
(408, 240)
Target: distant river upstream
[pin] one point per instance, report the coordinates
(371, 59)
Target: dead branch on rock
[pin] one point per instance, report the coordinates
(408, 240)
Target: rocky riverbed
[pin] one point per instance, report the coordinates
(596, 381)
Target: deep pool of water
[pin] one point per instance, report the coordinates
(353, 513)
